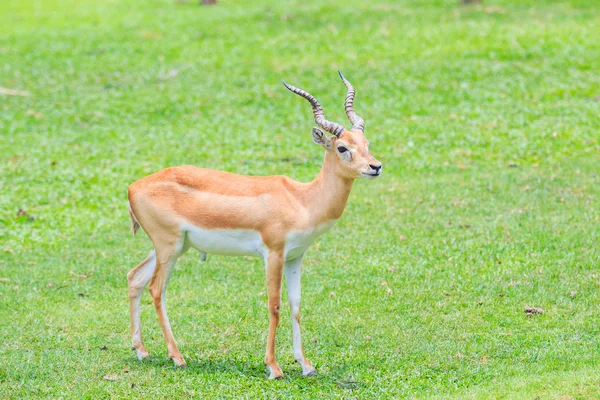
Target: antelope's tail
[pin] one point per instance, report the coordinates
(135, 225)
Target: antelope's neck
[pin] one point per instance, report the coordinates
(327, 194)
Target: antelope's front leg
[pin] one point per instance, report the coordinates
(293, 272)
(274, 264)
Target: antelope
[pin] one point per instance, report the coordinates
(272, 217)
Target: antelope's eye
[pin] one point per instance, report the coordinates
(342, 149)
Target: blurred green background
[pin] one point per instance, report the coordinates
(485, 116)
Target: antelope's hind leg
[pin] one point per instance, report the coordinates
(137, 279)
(166, 257)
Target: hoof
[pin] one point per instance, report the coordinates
(179, 361)
(307, 368)
(141, 353)
(275, 373)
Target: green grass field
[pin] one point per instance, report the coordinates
(487, 121)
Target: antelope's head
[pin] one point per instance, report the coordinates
(350, 147)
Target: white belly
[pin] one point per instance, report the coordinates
(242, 242)
(226, 242)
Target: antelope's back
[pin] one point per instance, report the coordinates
(211, 199)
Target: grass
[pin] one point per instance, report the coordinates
(486, 119)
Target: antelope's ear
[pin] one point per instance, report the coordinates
(320, 138)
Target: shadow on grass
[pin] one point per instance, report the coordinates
(337, 375)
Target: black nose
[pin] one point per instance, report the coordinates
(376, 168)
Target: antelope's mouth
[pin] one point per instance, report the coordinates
(371, 175)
